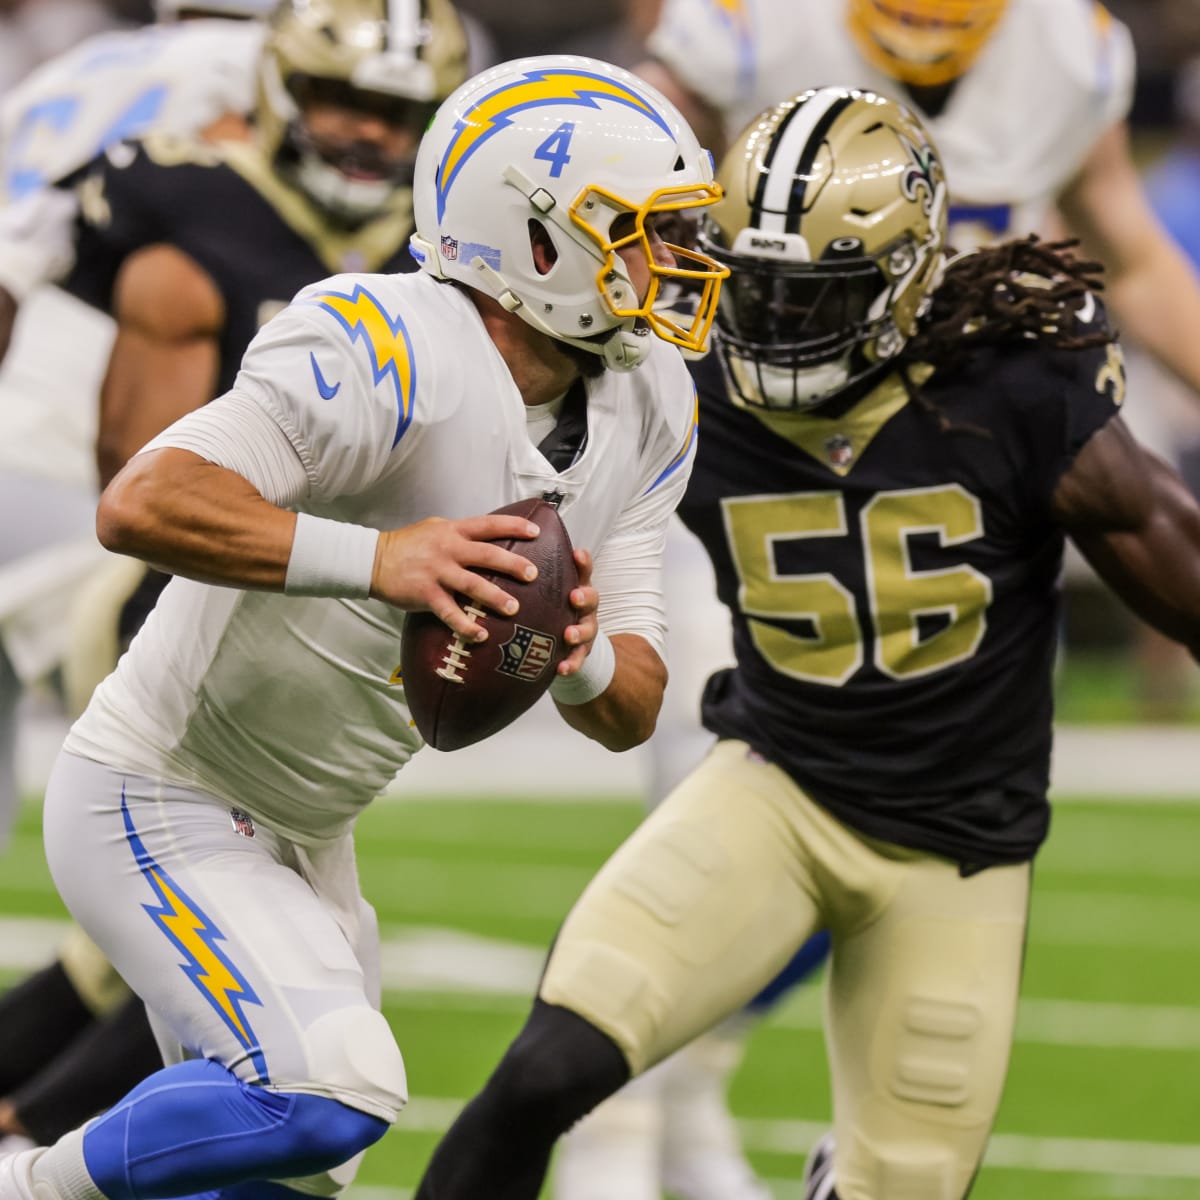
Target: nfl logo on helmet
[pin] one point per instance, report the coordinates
(449, 247)
(527, 654)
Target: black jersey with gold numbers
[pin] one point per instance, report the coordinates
(893, 582)
(258, 239)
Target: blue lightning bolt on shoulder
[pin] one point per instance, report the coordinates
(386, 341)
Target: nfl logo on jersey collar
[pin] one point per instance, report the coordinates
(839, 449)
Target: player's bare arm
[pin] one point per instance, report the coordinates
(8, 317)
(190, 517)
(1138, 525)
(164, 361)
(1151, 289)
(624, 714)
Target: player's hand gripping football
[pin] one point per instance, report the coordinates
(424, 566)
(584, 600)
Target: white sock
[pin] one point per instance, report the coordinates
(55, 1172)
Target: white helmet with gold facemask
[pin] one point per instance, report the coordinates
(586, 157)
(833, 225)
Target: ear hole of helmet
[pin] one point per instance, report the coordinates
(541, 245)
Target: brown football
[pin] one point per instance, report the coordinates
(458, 692)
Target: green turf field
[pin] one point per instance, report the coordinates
(1103, 1099)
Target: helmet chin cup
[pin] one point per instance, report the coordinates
(625, 349)
(785, 389)
(346, 199)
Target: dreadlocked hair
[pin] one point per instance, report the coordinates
(1012, 293)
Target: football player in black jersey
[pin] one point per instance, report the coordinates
(192, 244)
(893, 448)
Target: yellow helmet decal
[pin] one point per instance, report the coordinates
(534, 89)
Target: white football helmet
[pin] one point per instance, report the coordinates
(569, 144)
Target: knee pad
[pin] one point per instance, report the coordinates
(353, 1057)
(935, 1051)
(902, 1170)
(195, 1127)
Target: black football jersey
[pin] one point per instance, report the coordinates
(892, 575)
(259, 240)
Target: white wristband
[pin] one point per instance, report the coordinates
(330, 558)
(592, 678)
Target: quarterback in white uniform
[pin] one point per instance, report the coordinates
(198, 822)
(174, 77)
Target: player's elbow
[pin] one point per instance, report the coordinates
(123, 515)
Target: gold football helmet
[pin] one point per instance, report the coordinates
(833, 225)
(396, 60)
(923, 42)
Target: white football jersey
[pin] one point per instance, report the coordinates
(1052, 78)
(175, 78)
(170, 78)
(400, 408)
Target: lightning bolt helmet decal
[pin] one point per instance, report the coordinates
(495, 111)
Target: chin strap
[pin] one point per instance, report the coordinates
(622, 349)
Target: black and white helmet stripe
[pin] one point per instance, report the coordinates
(779, 201)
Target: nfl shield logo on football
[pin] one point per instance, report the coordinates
(449, 248)
(526, 654)
(242, 824)
(840, 449)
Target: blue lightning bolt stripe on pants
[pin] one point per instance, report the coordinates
(259, 960)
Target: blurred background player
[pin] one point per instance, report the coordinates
(1027, 102)
(192, 246)
(897, 446)
(180, 76)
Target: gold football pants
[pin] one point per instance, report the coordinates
(709, 898)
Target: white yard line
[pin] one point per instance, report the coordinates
(538, 759)
(425, 966)
(1006, 1151)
